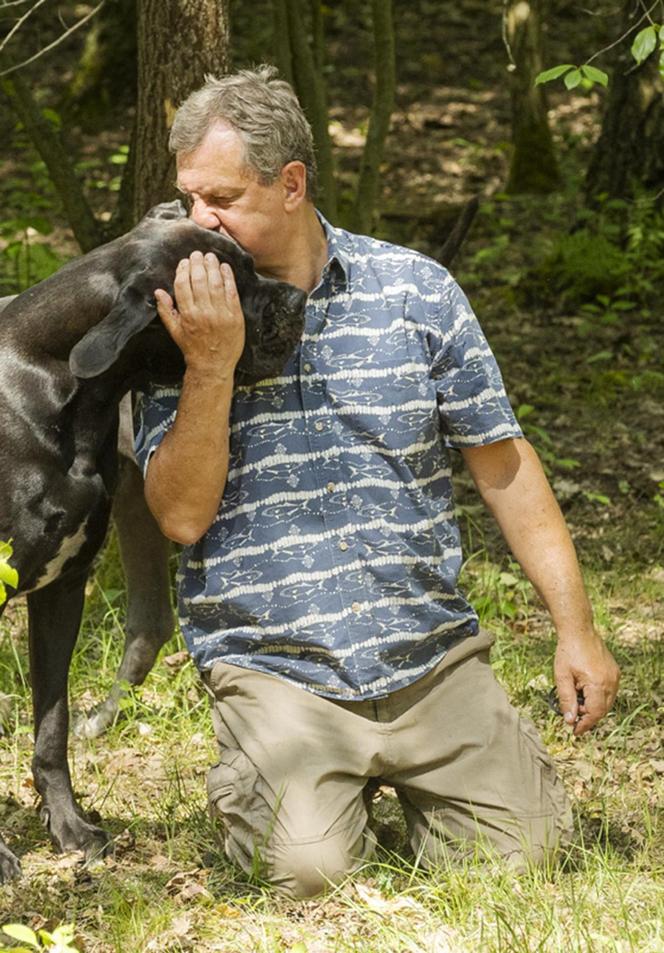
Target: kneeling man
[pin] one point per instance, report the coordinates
(318, 585)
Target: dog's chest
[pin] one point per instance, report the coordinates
(69, 547)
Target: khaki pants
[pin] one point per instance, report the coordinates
(293, 766)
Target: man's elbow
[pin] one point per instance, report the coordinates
(177, 523)
(184, 532)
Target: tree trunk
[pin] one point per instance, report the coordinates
(282, 45)
(534, 167)
(311, 92)
(630, 148)
(179, 41)
(381, 112)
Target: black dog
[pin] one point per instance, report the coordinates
(69, 349)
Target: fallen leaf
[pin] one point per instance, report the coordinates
(386, 906)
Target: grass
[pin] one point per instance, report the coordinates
(168, 887)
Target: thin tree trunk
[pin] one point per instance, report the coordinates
(311, 93)
(282, 45)
(179, 41)
(381, 112)
(317, 35)
(630, 148)
(87, 230)
(534, 167)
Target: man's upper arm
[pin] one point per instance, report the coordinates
(472, 402)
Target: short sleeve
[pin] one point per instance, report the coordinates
(473, 405)
(154, 414)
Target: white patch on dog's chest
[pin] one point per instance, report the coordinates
(69, 547)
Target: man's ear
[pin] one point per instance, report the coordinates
(294, 181)
(101, 346)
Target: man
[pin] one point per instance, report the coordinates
(318, 587)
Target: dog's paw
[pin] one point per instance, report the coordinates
(71, 831)
(9, 865)
(96, 722)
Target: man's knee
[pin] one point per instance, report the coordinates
(519, 843)
(302, 870)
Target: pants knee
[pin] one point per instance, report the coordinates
(308, 869)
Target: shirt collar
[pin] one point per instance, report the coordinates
(338, 247)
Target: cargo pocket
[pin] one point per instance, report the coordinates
(236, 798)
(554, 796)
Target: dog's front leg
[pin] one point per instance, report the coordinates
(54, 617)
(9, 865)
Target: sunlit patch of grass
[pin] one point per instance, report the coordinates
(169, 888)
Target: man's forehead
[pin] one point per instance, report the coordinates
(218, 162)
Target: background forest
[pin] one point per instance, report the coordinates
(419, 107)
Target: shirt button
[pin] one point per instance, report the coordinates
(356, 607)
(307, 367)
(319, 425)
(343, 546)
(330, 488)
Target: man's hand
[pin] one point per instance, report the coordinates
(207, 324)
(584, 665)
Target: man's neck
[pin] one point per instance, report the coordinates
(306, 254)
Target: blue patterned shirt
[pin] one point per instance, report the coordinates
(334, 557)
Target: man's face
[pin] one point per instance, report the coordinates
(226, 196)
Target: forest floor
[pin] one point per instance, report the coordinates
(582, 365)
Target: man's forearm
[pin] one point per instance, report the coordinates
(187, 473)
(510, 478)
(516, 490)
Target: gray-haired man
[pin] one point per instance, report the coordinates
(318, 587)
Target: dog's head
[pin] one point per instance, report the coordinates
(273, 310)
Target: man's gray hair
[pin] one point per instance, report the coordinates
(262, 109)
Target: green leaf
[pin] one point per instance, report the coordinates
(6, 550)
(552, 73)
(52, 116)
(573, 79)
(18, 932)
(595, 75)
(644, 43)
(8, 575)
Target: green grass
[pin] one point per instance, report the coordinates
(168, 887)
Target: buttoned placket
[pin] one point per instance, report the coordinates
(320, 431)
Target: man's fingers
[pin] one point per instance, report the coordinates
(182, 287)
(229, 283)
(569, 705)
(199, 273)
(595, 705)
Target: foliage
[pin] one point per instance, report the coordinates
(610, 264)
(59, 941)
(645, 42)
(8, 575)
(585, 76)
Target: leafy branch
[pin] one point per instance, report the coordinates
(643, 45)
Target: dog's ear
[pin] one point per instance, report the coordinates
(101, 346)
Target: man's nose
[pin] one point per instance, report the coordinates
(204, 215)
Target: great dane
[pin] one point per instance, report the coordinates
(70, 348)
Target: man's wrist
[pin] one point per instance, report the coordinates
(207, 375)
